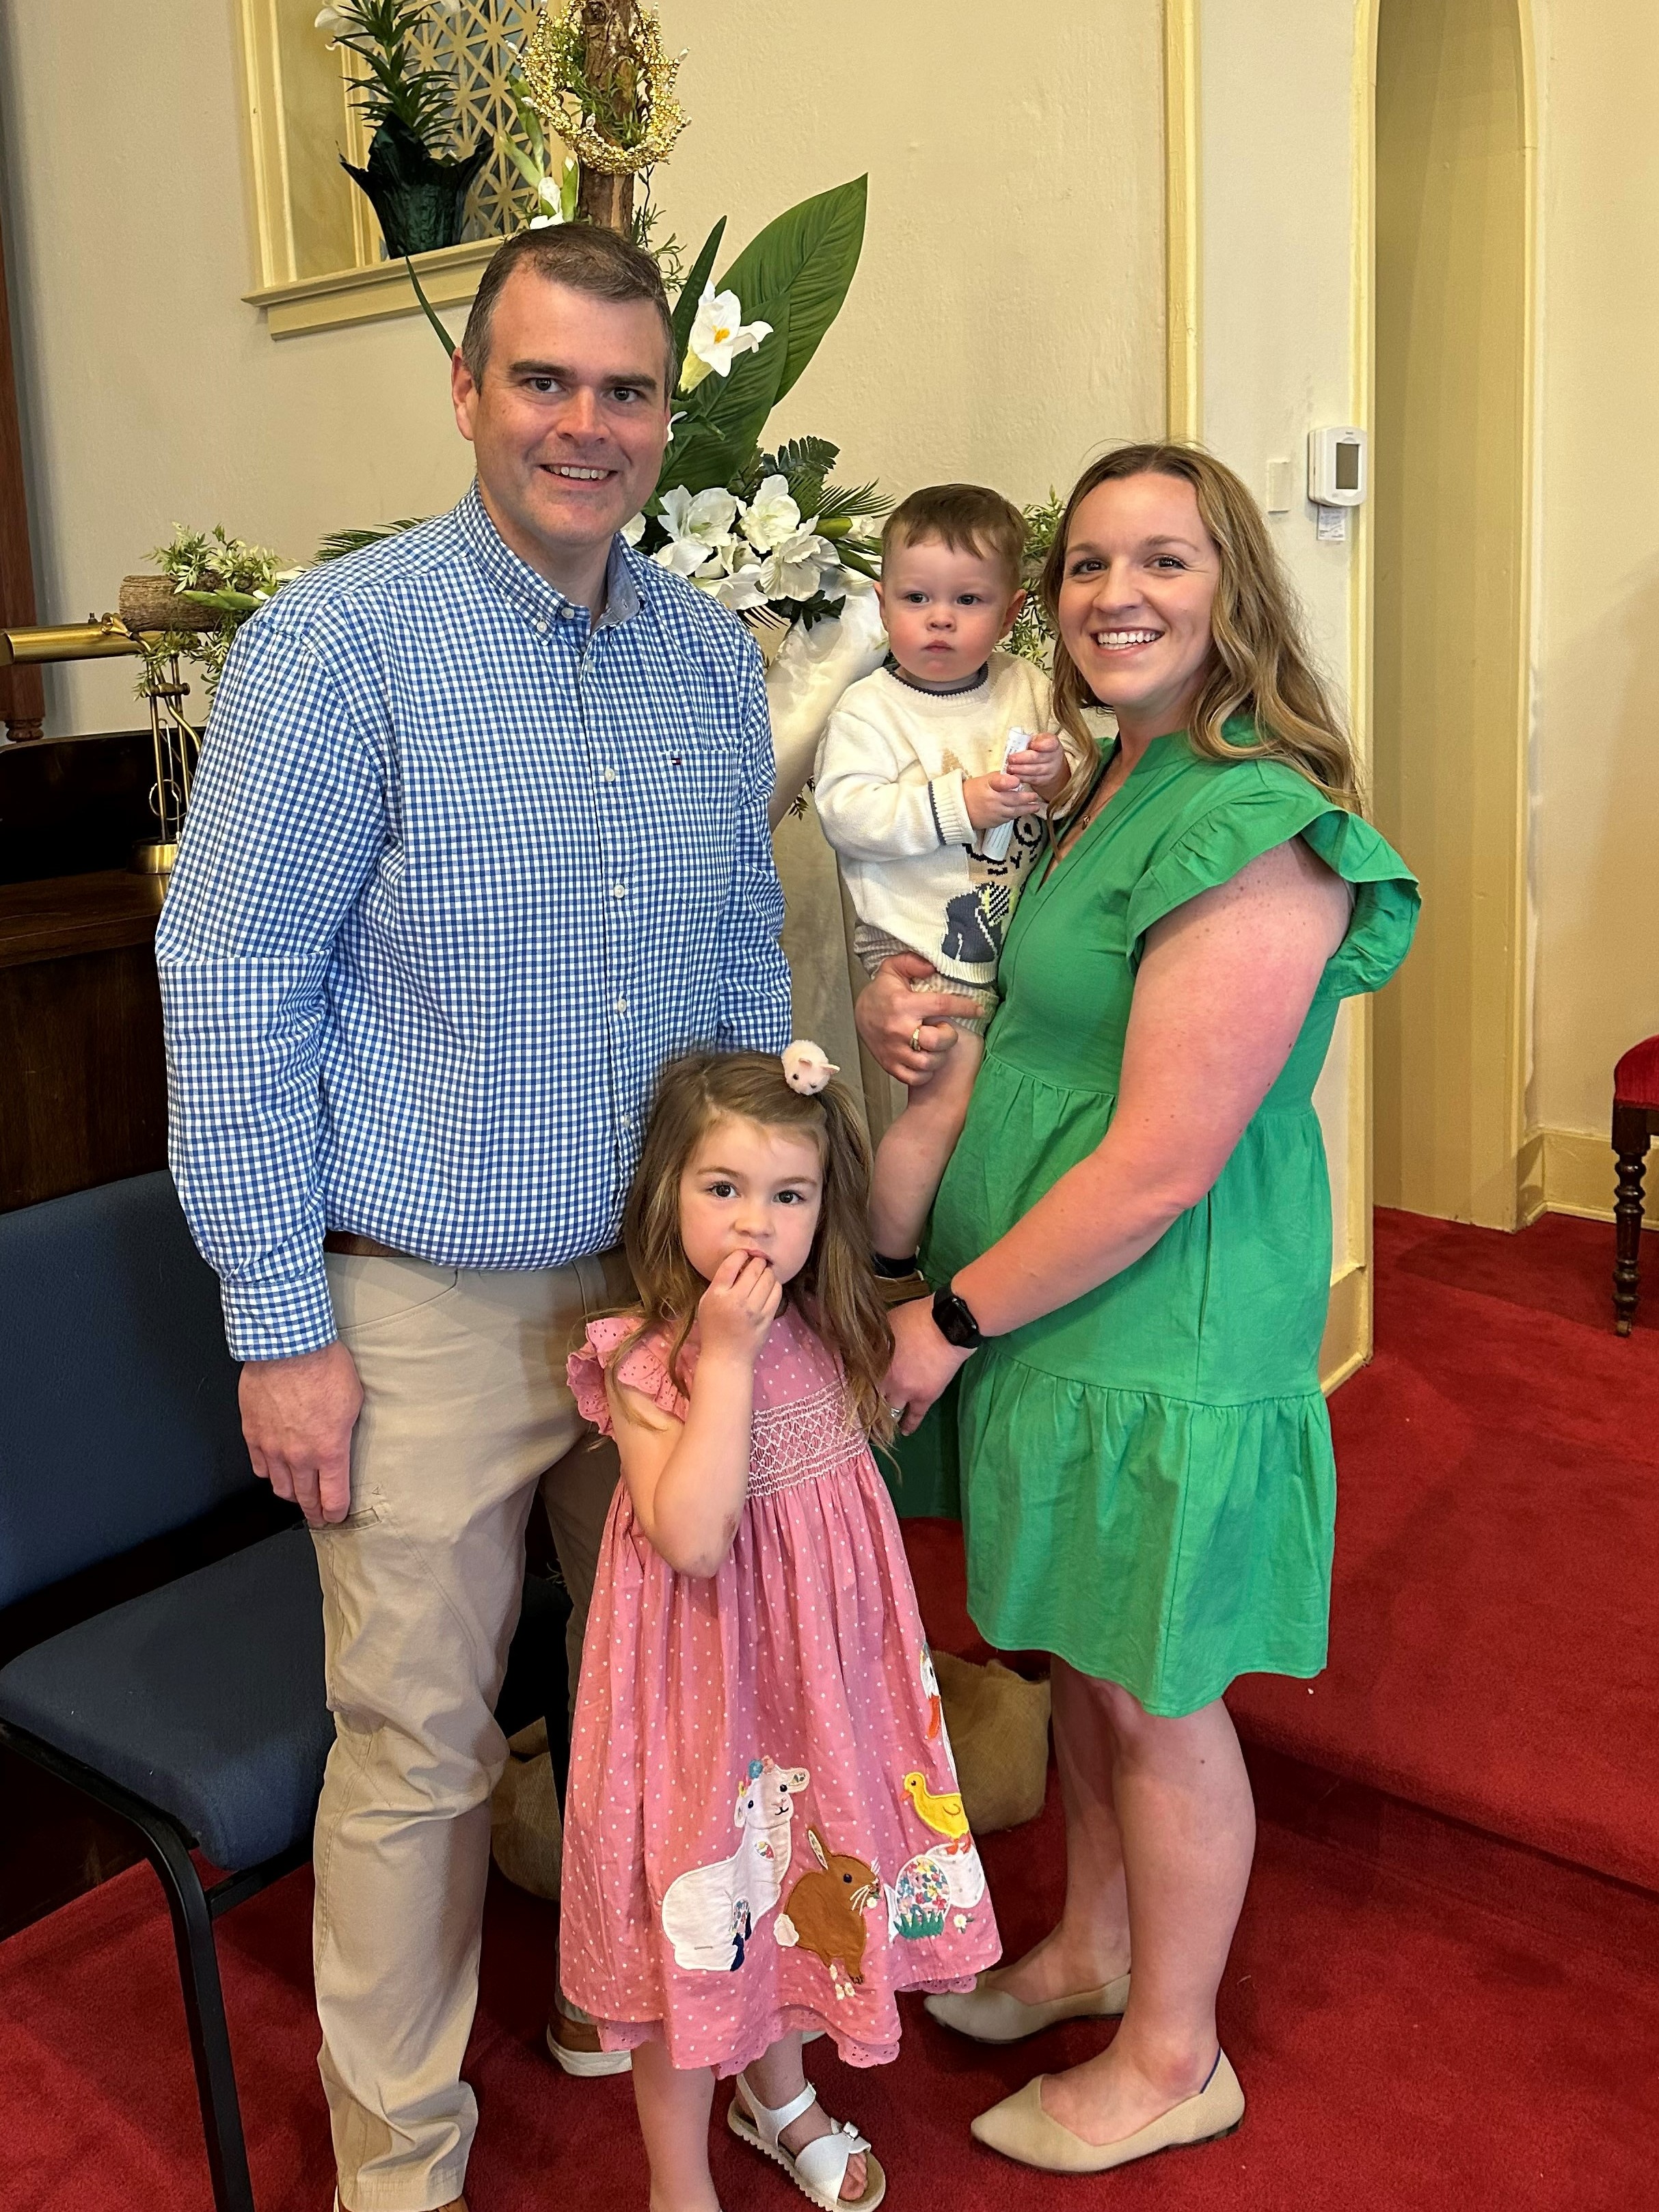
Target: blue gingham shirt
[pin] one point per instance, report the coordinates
(463, 869)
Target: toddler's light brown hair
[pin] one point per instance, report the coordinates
(969, 519)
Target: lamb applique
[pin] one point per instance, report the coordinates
(710, 1914)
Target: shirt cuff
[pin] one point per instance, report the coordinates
(279, 1321)
(950, 810)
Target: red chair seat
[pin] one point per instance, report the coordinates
(1635, 1078)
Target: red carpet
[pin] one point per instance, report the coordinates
(1424, 2017)
(1495, 1621)
(1399, 2049)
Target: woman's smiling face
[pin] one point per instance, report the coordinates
(1135, 599)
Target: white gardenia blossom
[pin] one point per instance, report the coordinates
(718, 336)
(771, 516)
(699, 530)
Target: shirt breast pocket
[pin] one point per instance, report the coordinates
(699, 777)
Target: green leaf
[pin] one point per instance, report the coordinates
(698, 458)
(341, 542)
(804, 456)
(804, 260)
(530, 170)
(685, 307)
(226, 602)
(428, 310)
(840, 501)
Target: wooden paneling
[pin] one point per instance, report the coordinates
(83, 1072)
(21, 697)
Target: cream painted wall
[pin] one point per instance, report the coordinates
(1597, 636)
(1277, 340)
(1006, 320)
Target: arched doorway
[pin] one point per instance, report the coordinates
(1451, 514)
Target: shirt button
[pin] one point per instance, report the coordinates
(619, 890)
(621, 1006)
(608, 775)
(627, 1121)
(542, 628)
(567, 614)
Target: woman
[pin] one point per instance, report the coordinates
(1136, 1223)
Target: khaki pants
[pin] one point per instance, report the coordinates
(466, 1414)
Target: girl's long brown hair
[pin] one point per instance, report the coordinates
(1261, 667)
(836, 1290)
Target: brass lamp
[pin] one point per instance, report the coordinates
(148, 608)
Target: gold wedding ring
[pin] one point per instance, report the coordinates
(916, 1038)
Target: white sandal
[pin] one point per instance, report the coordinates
(820, 2168)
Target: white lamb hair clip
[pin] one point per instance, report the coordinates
(806, 1067)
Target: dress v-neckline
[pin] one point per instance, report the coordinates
(1112, 809)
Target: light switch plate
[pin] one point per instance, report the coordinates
(1281, 483)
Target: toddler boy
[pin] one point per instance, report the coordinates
(912, 790)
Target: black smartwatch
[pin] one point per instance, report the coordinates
(954, 1321)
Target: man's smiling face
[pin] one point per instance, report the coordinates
(569, 422)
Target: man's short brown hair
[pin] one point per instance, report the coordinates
(584, 258)
(968, 518)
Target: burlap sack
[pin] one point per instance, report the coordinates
(527, 1837)
(999, 1725)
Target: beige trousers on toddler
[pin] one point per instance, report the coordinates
(466, 1414)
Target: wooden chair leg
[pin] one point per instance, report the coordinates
(1631, 1136)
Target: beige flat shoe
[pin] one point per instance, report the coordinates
(993, 2016)
(1020, 2128)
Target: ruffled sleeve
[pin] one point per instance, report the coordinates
(1257, 807)
(645, 1369)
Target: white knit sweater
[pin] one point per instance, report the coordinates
(888, 791)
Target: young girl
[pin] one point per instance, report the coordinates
(764, 1837)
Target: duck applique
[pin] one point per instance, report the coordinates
(942, 1813)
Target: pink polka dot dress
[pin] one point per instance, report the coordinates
(763, 1830)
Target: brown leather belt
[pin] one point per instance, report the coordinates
(360, 1248)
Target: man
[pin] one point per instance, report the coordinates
(478, 843)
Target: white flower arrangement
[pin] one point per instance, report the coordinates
(749, 553)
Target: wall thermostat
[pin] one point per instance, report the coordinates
(1337, 469)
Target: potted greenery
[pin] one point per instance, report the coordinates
(417, 191)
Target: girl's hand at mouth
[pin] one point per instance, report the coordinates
(738, 1307)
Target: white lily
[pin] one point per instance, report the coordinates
(771, 516)
(332, 19)
(739, 589)
(699, 529)
(718, 336)
(555, 197)
(801, 567)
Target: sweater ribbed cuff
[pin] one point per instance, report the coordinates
(951, 809)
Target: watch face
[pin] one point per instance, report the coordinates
(954, 1321)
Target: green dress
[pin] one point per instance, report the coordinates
(1147, 1480)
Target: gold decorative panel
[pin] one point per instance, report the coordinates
(320, 259)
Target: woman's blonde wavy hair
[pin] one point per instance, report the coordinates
(1260, 667)
(836, 1290)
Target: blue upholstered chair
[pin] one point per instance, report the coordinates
(196, 1712)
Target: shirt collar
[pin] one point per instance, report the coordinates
(527, 589)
